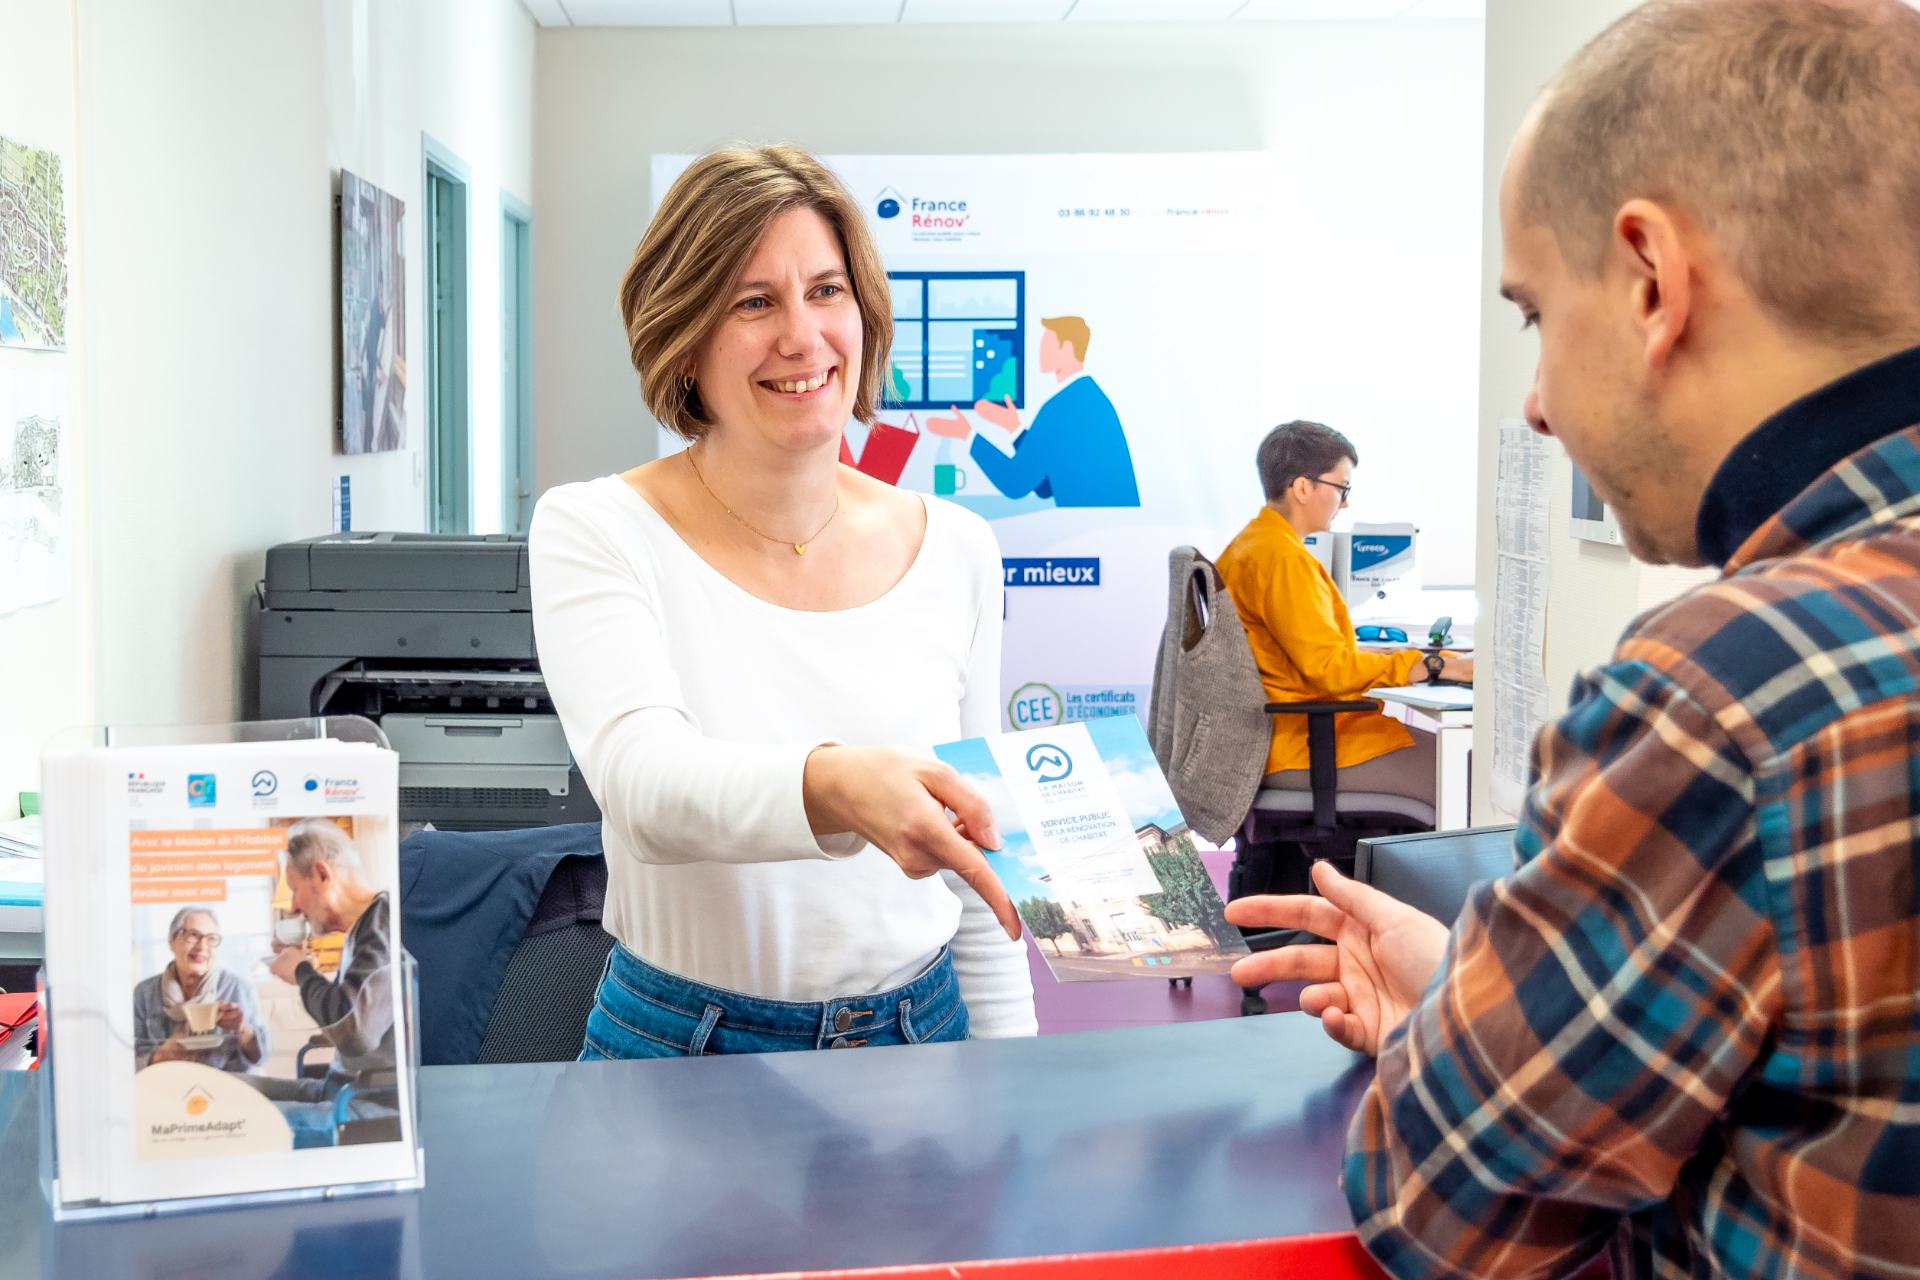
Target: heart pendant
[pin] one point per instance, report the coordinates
(799, 548)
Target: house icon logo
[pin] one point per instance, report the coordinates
(197, 1101)
(888, 203)
(1049, 762)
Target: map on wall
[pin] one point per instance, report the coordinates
(373, 318)
(34, 468)
(33, 248)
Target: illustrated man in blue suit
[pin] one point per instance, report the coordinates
(1075, 452)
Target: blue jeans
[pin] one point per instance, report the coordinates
(644, 1012)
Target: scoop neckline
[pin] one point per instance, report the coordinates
(682, 548)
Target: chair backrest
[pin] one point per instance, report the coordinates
(541, 1012)
(548, 989)
(1204, 715)
(1433, 870)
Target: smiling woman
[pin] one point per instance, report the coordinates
(752, 646)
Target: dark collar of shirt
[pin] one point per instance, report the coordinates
(1801, 443)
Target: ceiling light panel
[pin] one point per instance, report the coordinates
(1152, 10)
(1321, 10)
(985, 10)
(803, 13)
(649, 13)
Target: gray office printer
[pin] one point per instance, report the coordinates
(430, 635)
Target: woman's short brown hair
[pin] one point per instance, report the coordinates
(677, 290)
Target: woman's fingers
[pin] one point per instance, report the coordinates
(945, 784)
(971, 866)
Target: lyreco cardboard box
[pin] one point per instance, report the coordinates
(1382, 561)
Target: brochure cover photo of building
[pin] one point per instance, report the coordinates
(1096, 854)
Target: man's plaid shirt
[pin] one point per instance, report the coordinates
(1689, 1024)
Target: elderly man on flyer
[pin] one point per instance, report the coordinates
(355, 1007)
(1687, 1028)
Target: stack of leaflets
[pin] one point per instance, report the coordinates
(1096, 854)
(224, 971)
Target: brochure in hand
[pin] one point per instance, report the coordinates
(1096, 854)
(224, 970)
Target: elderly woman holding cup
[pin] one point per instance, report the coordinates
(178, 1012)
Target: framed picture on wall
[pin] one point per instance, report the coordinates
(373, 318)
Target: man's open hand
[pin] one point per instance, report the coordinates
(1384, 954)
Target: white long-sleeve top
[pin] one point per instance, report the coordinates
(691, 706)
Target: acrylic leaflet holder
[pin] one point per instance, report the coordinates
(246, 851)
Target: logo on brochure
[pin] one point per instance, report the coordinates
(888, 205)
(1049, 763)
(311, 784)
(139, 784)
(200, 790)
(264, 783)
(340, 790)
(197, 1101)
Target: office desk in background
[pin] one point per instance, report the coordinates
(1096, 1142)
(1448, 710)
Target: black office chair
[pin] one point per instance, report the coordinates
(1434, 870)
(1285, 832)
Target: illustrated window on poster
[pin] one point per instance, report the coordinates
(958, 337)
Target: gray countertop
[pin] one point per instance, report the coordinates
(1143, 1138)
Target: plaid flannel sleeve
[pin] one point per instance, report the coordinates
(1597, 1008)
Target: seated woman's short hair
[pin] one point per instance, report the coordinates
(677, 290)
(1295, 449)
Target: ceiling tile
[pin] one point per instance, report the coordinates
(1448, 9)
(547, 13)
(985, 10)
(1152, 10)
(648, 13)
(1320, 10)
(797, 13)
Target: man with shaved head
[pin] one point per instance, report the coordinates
(1687, 1027)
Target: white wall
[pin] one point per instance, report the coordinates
(1377, 127)
(212, 133)
(1596, 590)
(209, 137)
(46, 651)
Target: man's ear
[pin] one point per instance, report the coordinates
(1648, 244)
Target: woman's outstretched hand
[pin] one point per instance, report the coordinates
(898, 802)
(1383, 955)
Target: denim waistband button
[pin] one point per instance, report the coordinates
(842, 1020)
(839, 1042)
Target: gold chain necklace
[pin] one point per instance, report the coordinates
(799, 548)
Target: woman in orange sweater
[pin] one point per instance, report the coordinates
(1301, 635)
